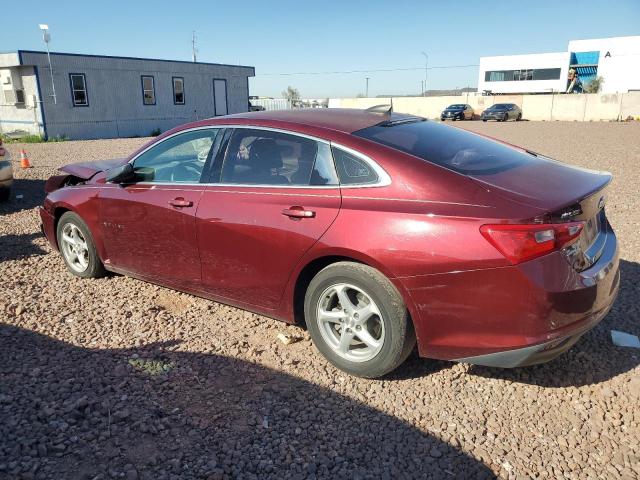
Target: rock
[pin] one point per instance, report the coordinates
(131, 474)
(287, 338)
(120, 415)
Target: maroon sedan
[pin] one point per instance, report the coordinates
(375, 230)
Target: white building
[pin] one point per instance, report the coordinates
(616, 60)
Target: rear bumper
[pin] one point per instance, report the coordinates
(534, 354)
(512, 316)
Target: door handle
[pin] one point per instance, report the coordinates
(180, 202)
(298, 212)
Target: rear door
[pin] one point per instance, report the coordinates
(272, 196)
(149, 226)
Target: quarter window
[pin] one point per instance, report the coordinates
(148, 90)
(261, 157)
(178, 90)
(178, 159)
(353, 170)
(79, 90)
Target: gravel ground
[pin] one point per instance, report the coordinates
(116, 378)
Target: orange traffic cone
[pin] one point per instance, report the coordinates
(24, 160)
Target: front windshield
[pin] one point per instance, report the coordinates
(456, 106)
(499, 106)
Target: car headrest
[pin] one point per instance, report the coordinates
(265, 154)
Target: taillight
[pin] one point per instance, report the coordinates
(519, 243)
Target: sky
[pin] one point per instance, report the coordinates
(281, 37)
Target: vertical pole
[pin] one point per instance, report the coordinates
(193, 45)
(367, 87)
(53, 85)
(426, 71)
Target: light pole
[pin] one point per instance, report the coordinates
(367, 87)
(426, 70)
(47, 37)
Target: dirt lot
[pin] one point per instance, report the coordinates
(115, 378)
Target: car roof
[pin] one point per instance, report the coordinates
(344, 120)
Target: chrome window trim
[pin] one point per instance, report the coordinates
(384, 179)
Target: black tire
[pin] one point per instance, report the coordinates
(399, 336)
(519, 117)
(5, 194)
(95, 268)
(484, 119)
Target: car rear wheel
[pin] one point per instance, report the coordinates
(358, 320)
(77, 247)
(5, 193)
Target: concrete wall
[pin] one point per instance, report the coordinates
(534, 107)
(114, 91)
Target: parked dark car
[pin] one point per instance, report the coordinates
(255, 108)
(502, 112)
(457, 111)
(6, 173)
(374, 230)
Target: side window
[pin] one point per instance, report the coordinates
(353, 170)
(148, 90)
(262, 157)
(179, 159)
(79, 89)
(178, 91)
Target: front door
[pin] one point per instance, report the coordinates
(276, 196)
(149, 226)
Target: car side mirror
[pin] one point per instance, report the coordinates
(122, 174)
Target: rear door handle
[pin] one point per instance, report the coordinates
(298, 212)
(180, 202)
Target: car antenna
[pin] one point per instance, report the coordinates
(384, 109)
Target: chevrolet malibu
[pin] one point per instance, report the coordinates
(376, 231)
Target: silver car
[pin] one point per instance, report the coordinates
(6, 174)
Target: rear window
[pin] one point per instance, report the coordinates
(449, 147)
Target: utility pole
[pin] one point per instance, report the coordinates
(193, 45)
(422, 87)
(47, 38)
(426, 72)
(367, 88)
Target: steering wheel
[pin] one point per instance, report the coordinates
(185, 173)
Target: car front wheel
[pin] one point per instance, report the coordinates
(358, 320)
(5, 193)
(77, 247)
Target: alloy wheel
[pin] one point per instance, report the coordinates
(350, 322)
(74, 248)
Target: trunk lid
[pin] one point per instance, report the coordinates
(548, 185)
(86, 170)
(563, 194)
